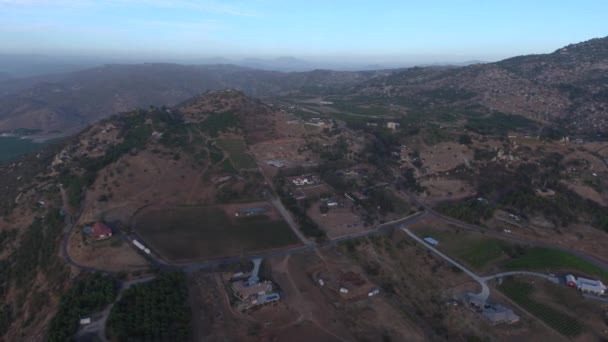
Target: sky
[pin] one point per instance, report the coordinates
(375, 31)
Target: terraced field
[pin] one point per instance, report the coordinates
(521, 293)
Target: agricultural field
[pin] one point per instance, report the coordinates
(521, 293)
(200, 233)
(478, 252)
(486, 254)
(237, 150)
(550, 259)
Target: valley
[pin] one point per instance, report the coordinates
(438, 203)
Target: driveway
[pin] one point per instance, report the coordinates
(485, 290)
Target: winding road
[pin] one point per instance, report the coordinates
(481, 280)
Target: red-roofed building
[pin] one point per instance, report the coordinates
(101, 231)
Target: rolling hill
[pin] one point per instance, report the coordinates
(567, 88)
(68, 102)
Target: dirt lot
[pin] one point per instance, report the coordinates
(346, 318)
(339, 221)
(200, 233)
(445, 156)
(285, 150)
(440, 189)
(152, 178)
(588, 192)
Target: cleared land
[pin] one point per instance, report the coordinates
(237, 150)
(198, 233)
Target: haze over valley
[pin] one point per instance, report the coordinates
(417, 172)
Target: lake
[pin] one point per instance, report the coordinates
(13, 147)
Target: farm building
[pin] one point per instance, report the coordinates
(590, 286)
(586, 285)
(431, 241)
(570, 280)
(392, 125)
(252, 211)
(100, 231)
(594, 289)
(497, 314)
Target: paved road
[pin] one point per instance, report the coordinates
(449, 220)
(550, 278)
(311, 246)
(289, 219)
(482, 280)
(485, 289)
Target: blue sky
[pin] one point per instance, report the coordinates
(378, 30)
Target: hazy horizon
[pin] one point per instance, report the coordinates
(384, 32)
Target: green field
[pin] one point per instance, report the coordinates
(13, 147)
(198, 233)
(553, 260)
(479, 252)
(237, 149)
(521, 292)
(476, 252)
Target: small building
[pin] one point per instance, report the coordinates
(301, 181)
(431, 241)
(85, 321)
(497, 314)
(101, 231)
(392, 125)
(343, 290)
(252, 211)
(590, 286)
(570, 280)
(321, 282)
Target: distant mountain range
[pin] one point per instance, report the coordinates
(567, 88)
(67, 102)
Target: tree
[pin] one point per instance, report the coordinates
(465, 139)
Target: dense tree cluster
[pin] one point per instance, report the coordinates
(154, 311)
(88, 295)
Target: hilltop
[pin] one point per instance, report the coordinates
(159, 158)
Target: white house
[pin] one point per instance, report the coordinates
(392, 125)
